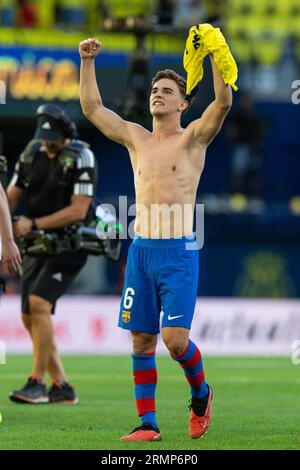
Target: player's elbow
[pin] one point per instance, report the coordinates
(87, 111)
(225, 105)
(224, 101)
(89, 108)
(78, 213)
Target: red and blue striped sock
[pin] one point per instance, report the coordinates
(191, 362)
(145, 380)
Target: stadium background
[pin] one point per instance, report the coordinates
(250, 264)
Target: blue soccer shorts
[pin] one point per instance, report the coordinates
(161, 275)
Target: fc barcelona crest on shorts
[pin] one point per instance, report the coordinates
(126, 316)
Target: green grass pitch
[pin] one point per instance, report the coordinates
(256, 406)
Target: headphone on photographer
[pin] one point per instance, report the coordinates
(58, 114)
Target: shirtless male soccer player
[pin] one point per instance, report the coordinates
(161, 274)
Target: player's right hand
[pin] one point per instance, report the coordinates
(89, 48)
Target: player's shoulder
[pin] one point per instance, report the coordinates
(30, 150)
(193, 132)
(188, 131)
(137, 129)
(137, 134)
(81, 153)
(194, 124)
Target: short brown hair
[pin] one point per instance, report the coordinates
(171, 75)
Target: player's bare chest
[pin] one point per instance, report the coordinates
(156, 158)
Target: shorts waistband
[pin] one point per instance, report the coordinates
(162, 242)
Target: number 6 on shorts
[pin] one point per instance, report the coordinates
(128, 298)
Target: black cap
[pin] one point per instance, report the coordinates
(48, 129)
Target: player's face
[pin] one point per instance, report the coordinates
(165, 98)
(53, 147)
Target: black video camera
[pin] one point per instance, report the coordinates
(101, 237)
(74, 239)
(87, 239)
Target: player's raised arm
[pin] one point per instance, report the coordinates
(210, 123)
(112, 125)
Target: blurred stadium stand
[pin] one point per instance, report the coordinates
(257, 237)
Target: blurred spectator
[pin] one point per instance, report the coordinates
(189, 13)
(215, 11)
(165, 12)
(132, 105)
(102, 11)
(120, 15)
(7, 12)
(27, 14)
(70, 13)
(246, 129)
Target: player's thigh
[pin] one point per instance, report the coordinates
(56, 276)
(39, 306)
(33, 268)
(178, 289)
(140, 304)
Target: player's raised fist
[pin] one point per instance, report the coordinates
(89, 48)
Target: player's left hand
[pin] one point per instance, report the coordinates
(22, 226)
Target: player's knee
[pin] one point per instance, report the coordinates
(143, 343)
(175, 346)
(38, 306)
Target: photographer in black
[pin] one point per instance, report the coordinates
(56, 174)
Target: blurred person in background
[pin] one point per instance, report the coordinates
(165, 12)
(188, 12)
(56, 175)
(27, 15)
(245, 131)
(215, 10)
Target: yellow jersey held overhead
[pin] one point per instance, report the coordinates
(204, 39)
